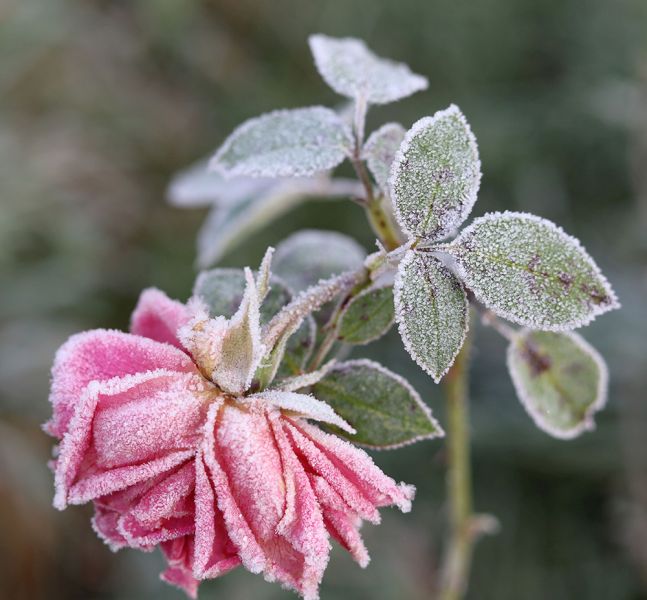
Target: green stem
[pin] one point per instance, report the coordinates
(458, 556)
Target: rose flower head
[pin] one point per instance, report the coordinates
(181, 438)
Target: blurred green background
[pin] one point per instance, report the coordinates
(102, 101)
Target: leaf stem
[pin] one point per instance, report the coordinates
(458, 552)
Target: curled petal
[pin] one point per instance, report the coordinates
(215, 554)
(178, 553)
(359, 468)
(342, 523)
(100, 355)
(238, 528)
(302, 525)
(126, 430)
(158, 317)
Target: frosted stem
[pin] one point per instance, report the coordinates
(458, 551)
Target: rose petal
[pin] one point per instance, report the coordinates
(302, 563)
(100, 355)
(158, 317)
(87, 452)
(215, 554)
(342, 523)
(359, 468)
(238, 528)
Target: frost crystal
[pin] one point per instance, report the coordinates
(380, 150)
(527, 270)
(436, 175)
(296, 142)
(431, 310)
(560, 379)
(352, 70)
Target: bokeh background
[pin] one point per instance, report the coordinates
(102, 101)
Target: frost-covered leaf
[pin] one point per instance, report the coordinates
(233, 221)
(432, 312)
(382, 406)
(305, 257)
(436, 175)
(294, 143)
(302, 405)
(222, 290)
(241, 347)
(197, 186)
(299, 382)
(308, 301)
(352, 70)
(368, 316)
(560, 379)
(527, 270)
(379, 152)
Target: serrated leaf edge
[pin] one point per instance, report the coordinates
(365, 362)
(415, 129)
(588, 423)
(596, 312)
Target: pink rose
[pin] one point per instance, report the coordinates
(159, 430)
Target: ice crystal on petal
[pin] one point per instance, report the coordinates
(293, 143)
(528, 270)
(352, 70)
(379, 152)
(436, 175)
(431, 309)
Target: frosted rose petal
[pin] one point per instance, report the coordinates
(158, 317)
(100, 355)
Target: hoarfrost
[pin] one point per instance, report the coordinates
(436, 175)
(529, 271)
(431, 309)
(352, 70)
(380, 150)
(296, 142)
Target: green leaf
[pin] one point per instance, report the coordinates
(352, 70)
(436, 175)
(431, 311)
(249, 206)
(293, 143)
(527, 270)
(380, 150)
(560, 379)
(383, 408)
(197, 186)
(310, 255)
(368, 316)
